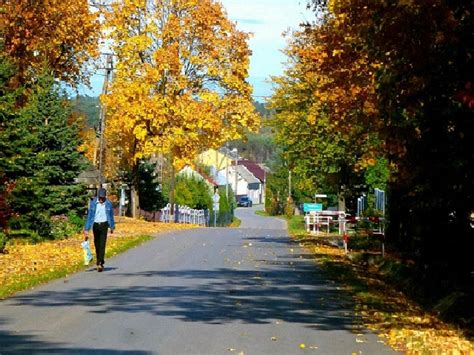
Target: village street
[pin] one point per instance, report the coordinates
(249, 290)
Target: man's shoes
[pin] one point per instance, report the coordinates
(100, 268)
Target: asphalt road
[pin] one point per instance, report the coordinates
(249, 290)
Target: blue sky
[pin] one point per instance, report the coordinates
(267, 20)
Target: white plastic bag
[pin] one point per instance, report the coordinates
(87, 252)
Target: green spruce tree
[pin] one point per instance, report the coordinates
(40, 155)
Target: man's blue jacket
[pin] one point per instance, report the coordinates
(109, 211)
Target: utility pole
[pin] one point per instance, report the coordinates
(227, 178)
(102, 116)
(289, 184)
(235, 169)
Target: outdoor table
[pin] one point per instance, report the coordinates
(315, 219)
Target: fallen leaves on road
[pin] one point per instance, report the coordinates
(400, 322)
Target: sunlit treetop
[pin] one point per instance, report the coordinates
(180, 80)
(62, 35)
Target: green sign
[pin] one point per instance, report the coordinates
(310, 207)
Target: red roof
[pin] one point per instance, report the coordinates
(254, 168)
(205, 176)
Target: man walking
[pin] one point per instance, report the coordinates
(100, 218)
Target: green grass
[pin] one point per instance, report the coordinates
(28, 281)
(295, 224)
(129, 244)
(262, 213)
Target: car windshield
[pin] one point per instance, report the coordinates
(244, 199)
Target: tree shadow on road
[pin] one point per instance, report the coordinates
(17, 343)
(290, 289)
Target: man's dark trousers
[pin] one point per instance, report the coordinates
(100, 239)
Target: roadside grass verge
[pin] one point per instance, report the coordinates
(262, 213)
(26, 264)
(377, 286)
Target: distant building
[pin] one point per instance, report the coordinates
(200, 175)
(215, 159)
(251, 176)
(260, 172)
(89, 177)
(243, 182)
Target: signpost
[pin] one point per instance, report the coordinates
(311, 207)
(122, 199)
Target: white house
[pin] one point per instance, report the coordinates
(247, 184)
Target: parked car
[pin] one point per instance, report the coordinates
(244, 201)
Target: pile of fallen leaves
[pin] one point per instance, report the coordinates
(126, 226)
(25, 265)
(399, 321)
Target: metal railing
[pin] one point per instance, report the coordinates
(184, 215)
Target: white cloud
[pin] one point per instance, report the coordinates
(267, 20)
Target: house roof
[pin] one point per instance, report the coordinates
(246, 174)
(90, 176)
(254, 168)
(206, 177)
(188, 170)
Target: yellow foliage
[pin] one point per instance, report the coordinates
(25, 261)
(179, 85)
(89, 145)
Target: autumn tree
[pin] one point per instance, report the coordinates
(324, 149)
(179, 82)
(394, 79)
(401, 71)
(62, 35)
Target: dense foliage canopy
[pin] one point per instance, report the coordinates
(377, 88)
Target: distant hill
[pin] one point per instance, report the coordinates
(88, 106)
(262, 109)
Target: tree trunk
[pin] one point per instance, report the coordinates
(135, 200)
(172, 187)
(341, 202)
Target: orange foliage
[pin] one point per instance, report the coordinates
(60, 34)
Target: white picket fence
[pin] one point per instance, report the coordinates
(184, 215)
